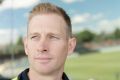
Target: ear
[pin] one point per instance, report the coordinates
(71, 45)
(25, 45)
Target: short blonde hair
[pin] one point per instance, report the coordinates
(46, 8)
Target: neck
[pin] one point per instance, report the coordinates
(34, 75)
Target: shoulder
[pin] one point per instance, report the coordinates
(15, 78)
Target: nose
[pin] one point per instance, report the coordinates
(42, 46)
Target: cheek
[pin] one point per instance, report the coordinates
(60, 49)
(31, 48)
(31, 52)
(32, 45)
(59, 53)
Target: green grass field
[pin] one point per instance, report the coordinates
(97, 66)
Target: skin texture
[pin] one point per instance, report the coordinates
(47, 46)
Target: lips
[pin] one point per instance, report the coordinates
(43, 59)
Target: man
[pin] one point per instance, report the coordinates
(48, 43)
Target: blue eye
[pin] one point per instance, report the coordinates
(35, 37)
(32, 37)
(54, 37)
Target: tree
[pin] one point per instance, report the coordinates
(19, 47)
(1, 1)
(117, 33)
(85, 36)
(20, 41)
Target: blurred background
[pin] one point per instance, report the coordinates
(95, 23)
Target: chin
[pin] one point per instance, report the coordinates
(45, 72)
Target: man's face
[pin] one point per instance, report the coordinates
(47, 44)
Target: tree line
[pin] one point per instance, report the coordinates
(83, 37)
(88, 36)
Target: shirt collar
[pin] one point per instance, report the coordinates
(23, 75)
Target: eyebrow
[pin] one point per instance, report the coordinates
(34, 33)
(50, 33)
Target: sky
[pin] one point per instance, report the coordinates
(95, 15)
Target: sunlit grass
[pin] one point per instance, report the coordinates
(97, 66)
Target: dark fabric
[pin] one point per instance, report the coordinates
(23, 75)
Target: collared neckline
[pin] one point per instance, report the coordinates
(23, 75)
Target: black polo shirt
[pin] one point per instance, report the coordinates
(23, 75)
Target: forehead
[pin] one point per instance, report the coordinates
(47, 22)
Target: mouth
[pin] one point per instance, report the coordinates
(43, 60)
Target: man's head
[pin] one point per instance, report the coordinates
(47, 8)
(49, 39)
